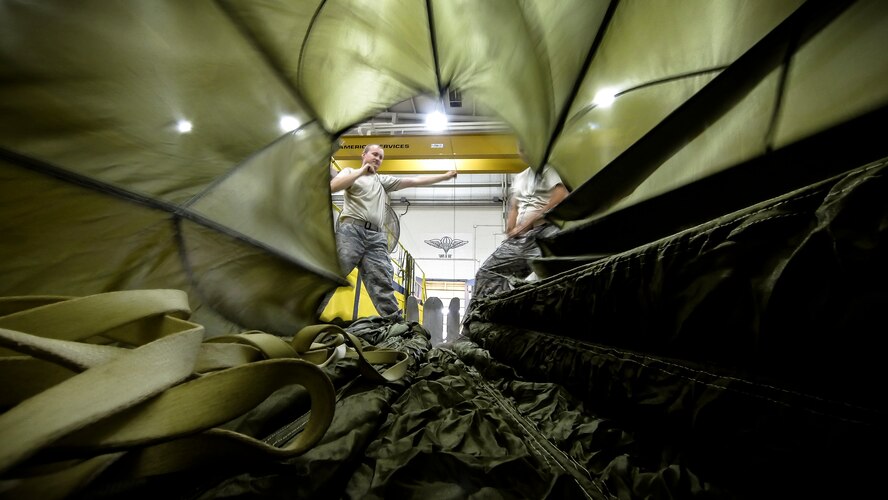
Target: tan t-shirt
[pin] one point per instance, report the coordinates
(367, 198)
(532, 192)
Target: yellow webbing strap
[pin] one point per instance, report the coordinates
(321, 344)
(153, 407)
(94, 394)
(366, 358)
(102, 314)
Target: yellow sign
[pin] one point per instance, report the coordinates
(483, 153)
(431, 146)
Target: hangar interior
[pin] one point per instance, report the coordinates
(707, 321)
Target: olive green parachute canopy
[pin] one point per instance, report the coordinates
(99, 191)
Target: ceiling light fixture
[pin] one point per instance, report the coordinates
(604, 98)
(183, 126)
(436, 121)
(289, 123)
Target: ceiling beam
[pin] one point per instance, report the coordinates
(437, 166)
(425, 154)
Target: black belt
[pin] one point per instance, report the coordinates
(358, 222)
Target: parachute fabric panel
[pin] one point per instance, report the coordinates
(855, 76)
(101, 115)
(277, 197)
(280, 202)
(372, 56)
(654, 61)
(733, 118)
(107, 105)
(78, 238)
(241, 280)
(506, 52)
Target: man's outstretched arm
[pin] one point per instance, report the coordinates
(426, 180)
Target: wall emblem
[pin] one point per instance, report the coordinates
(447, 244)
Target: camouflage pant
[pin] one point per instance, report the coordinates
(368, 250)
(509, 260)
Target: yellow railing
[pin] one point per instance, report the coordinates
(352, 302)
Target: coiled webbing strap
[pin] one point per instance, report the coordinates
(152, 402)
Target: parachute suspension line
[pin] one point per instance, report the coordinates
(453, 273)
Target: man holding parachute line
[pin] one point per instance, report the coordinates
(360, 236)
(532, 195)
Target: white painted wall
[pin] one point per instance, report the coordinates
(482, 227)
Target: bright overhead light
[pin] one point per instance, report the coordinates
(436, 121)
(183, 126)
(604, 98)
(289, 123)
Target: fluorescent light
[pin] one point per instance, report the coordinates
(289, 123)
(604, 98)
(183, 126)
(436, 121)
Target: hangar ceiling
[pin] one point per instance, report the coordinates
(464, 114)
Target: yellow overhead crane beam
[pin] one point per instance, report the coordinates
(428, 154)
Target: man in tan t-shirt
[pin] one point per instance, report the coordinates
(360, 238)
(532, 195)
